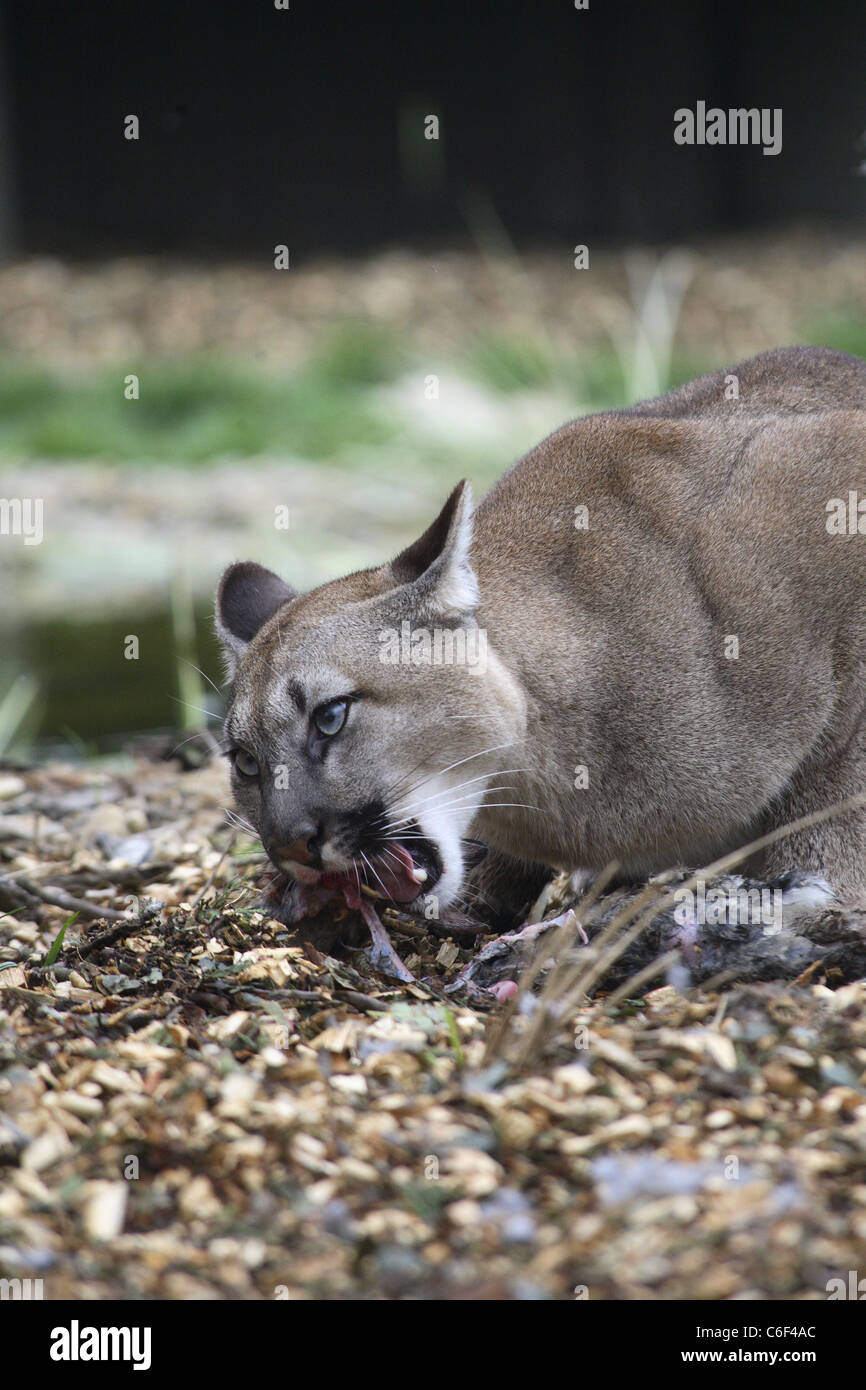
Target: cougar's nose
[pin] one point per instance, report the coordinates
(303, 847)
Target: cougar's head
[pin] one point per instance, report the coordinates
(368, 720)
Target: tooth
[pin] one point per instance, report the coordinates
(371, 892)
(419, 875)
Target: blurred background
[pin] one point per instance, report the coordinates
(431, 323)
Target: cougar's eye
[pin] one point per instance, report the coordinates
(246, 763)
(329, 719)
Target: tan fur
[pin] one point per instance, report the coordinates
(607, 646)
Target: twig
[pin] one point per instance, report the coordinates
(124, 927)
(12, 899)
(402, 923)
(634, 982)
(405, 924)
(55, 897)
(562, 938)
(363, 1002)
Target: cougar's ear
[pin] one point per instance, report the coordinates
(248, 595)
(437, 565)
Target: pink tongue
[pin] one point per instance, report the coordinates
(397, 878)
(393, 879)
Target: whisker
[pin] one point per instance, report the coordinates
(204, 677)
(467, 782)
(444, 806)
(239, 821)
(395, 831)
(448, 791)
(440, 772)
(391, 855)
(373, 872)
(184, 741)
(208, 713)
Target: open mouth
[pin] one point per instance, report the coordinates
(398, 871)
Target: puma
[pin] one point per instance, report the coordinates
(674, 649)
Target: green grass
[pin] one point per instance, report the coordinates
(200, 409)
(840, 332)
(203, 408)
(57, 944)
(596, 380)
(513, 364)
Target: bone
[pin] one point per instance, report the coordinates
(382, 953)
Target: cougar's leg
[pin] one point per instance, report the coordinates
(501, 890)
(835, 849)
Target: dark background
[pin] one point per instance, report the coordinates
(305, 126)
